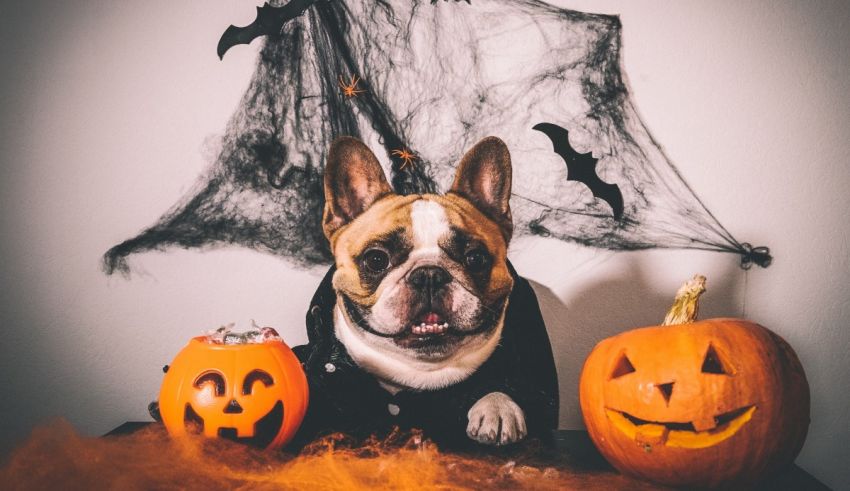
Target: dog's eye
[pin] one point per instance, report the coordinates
(377, 260)
(476, 260)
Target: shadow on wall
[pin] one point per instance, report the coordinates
(612, 305)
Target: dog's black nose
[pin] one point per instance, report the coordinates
(429, 278)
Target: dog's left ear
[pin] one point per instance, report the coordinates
(484, 178)
(354, 180)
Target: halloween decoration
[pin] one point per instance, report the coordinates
(696, 403)
(406, 157)
(581, 167)
(269, 21)
(350, 88)
(439, 75)
(57, 457)
(253, 392)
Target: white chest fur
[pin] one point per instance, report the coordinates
(403, 371)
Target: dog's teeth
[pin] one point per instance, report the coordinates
(424, 328)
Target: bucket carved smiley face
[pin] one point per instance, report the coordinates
(708, 403)
(252, 393)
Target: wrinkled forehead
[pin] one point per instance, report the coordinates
(420, 222)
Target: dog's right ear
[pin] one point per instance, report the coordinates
(354, 180)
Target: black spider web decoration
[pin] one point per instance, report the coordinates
(434, 78)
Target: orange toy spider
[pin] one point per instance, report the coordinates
(406, 156)
(350, 89)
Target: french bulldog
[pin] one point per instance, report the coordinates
(420, 302)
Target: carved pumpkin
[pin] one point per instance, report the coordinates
(707, 403)
(255, 393)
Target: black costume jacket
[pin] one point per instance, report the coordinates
(345, 398)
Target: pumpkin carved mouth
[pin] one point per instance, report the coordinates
(265, 429)
(681, 435)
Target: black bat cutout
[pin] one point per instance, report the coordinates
(581, 167)
(269, 21)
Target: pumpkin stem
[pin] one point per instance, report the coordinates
(686, 304)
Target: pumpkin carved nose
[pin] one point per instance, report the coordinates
(666, 391)
(233, 407)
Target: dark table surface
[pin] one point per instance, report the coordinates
(575, 448)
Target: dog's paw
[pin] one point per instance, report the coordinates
(496, 420)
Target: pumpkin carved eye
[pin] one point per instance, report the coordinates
(214, 378)
(713, 363)
(623, 367)
(254, 376)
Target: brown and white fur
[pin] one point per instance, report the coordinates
(422, 281)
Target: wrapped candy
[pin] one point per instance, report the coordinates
(226, 335)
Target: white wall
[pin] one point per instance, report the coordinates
(106, 108)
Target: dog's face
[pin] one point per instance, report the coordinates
(422, 281)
